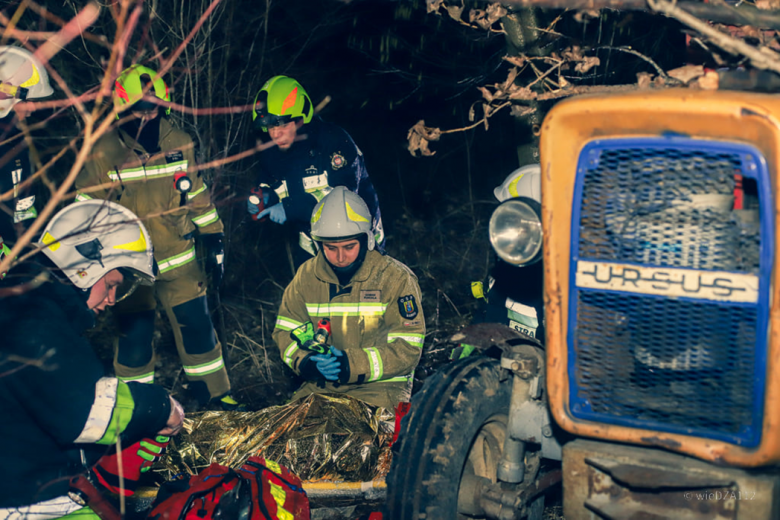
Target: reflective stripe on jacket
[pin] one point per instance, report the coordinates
(377, 320)
(146, 187)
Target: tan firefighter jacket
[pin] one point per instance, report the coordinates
(377, 319)
(146, 187)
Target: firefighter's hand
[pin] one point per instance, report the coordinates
(328, 366)
(276, 213)
(175, 420)
(343, 375)
(215, 256)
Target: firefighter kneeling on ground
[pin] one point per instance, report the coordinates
(370, 302)
(150, 159)
(60, 414)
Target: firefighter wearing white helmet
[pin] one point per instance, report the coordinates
(370, 303)
(515, 294)
(22, 78)
(61, 413)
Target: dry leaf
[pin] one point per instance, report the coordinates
(523, 93)
(434, 5)
(419, 136)
(587, 63)
(485, 19)
(517, 61)
(768, 4)
(455, 11)
(586, 15)
(686, 73)
(643, 79)
(520, 110)
(471, 114)
(486, 94)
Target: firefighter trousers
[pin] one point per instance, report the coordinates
(184, 301)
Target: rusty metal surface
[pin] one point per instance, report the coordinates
(642, 476)
(655, 484)
(321, 437)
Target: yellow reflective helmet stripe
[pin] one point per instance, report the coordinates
(34, 79)
(50, 241)
(318, 214)
(512, 188)
(354, 216)
(135, 245)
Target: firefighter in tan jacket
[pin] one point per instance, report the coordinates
(147, 159)
(372, 303)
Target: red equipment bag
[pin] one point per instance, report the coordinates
(259, 490)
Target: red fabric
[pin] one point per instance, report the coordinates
(107, 470)
(400, 410)
(258, 492)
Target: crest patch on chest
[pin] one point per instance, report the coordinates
(337, 161)
(407, 306)
(371, 296)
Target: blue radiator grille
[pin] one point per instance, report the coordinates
(666, 362)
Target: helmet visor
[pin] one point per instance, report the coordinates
(264, 120)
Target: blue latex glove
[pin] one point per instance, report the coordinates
(328, 366)
(276, 213)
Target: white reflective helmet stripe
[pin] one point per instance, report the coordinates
(176, 261)
(101, 411)
(205, 368)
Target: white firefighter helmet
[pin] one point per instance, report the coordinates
(341, 215)
(88, 239)
(21, 77)
(525, 181)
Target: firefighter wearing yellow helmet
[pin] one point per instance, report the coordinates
(309, 157)
(371, 303)
(151, 163)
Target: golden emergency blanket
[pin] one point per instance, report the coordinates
(321, 437)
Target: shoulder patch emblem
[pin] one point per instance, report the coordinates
(407, 306)
(337, 161)
(174, 156)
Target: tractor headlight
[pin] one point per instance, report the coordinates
(516, 231)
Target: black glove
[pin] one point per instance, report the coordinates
(215, 256)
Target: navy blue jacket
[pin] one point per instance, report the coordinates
(327, 156)
(48, 377)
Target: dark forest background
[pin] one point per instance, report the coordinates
(385, 65)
